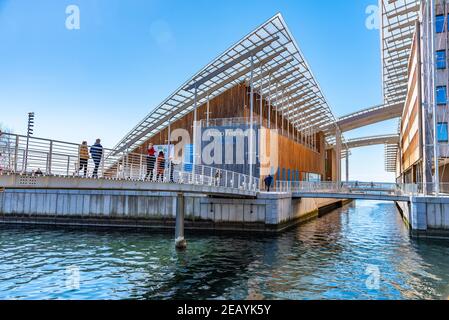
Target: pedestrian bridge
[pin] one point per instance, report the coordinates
(370, 116)
(372, 140)
(49, 164)
(350, 190)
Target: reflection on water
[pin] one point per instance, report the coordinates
(362, 251)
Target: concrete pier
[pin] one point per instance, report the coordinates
(426, 216)
(180, 241)
(268, 212)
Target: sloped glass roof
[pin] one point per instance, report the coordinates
(281, 74)
(398, 19)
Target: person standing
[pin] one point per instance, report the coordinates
(96, 152)
(160, 166)
(83, 157)
(171, 165)
(268, 182)
(151, 161)
(217, 178)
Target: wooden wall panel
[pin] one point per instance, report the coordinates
(234, 103)
(410, 144)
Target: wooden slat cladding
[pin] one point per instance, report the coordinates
(229, 104)
(295, 156)
(235, 103)
(411, 117)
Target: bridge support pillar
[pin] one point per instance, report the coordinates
(338, 154)
(347, 165)
(180, 241)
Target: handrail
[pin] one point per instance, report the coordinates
(349, 187)
(40, 156)
(381, 136)
(363, 111)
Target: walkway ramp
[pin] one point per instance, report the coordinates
(370, 116)
(200, 186)
(350, 190)
(49, 164)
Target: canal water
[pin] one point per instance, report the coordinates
(362, 251)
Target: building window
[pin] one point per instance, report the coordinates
(439, 23)
(441, 95)
(442, 132)
(441, 59)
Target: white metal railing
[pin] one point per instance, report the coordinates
(47, 157)
(349, 187)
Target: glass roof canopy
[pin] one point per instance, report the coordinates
(398, 18)
(281, 75)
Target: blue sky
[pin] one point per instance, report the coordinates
(128, 56)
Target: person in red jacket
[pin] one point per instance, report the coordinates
(151, 161)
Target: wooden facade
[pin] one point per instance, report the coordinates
(411, 122)
(235, 103)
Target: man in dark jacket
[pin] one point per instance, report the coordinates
(96, 152)
(268, 181)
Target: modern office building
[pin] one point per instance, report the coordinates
(256, 109)
(414, 37)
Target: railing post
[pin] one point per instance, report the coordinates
(16, 154)
(50, 157)
(68, 166)
(226, 178)
(118, 169)
(102, 165)
(140, 166)
(126, 168)
(23, 160)
(202, 174)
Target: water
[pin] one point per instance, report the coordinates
(362, 251)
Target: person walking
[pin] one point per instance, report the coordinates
(171, 165)
(160, 166)
(151, 161)
(83, 157)
(268, 182)
(96, 152)
(217, 178)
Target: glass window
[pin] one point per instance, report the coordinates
(439, 23)
(442, 132)
(441, 59)
(441, 95)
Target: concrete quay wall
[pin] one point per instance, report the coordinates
(426, 216)
(141, 209)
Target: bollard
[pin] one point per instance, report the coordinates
(180, 242)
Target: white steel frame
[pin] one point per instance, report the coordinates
(282, 68)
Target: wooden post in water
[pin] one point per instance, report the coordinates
(180, 242)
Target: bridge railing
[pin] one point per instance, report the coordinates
(348, 187)
(37, 156)
(364, 111)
